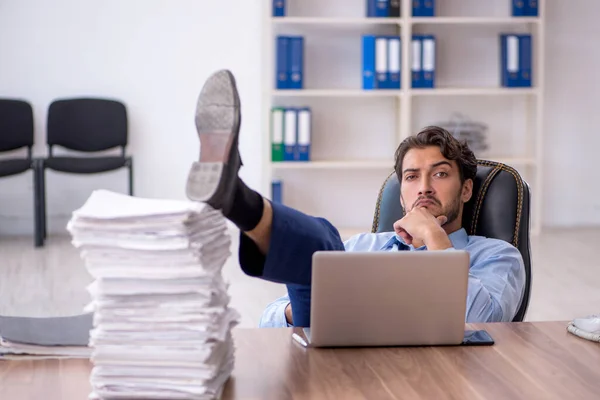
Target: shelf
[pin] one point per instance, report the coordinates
(483, 91)
(489, 91)
(475, 20)
(399, 21)
(334, 21)
(377, 164)
(337, 93)
(511, 161)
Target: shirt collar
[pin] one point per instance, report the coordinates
(459, 239)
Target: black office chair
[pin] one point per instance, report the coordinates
(87, 125)
(499, 208)
(16, 132)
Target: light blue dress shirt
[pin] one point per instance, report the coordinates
(496, 275)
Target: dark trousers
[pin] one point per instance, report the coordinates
(295, 236)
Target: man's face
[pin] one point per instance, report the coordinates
(431, 181)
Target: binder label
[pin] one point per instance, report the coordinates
(512, 48)
(289, 135)
(277, 127)
(428, 55)
(394, 55)
(304, 127)
(381, 61)
(416, 55)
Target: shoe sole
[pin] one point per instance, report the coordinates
(212, 179)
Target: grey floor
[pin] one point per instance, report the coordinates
(52, 281)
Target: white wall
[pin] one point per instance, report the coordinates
(572, 123)
(154, 55)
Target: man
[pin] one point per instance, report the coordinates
(277, 242)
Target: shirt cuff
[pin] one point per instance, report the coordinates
(449, 249)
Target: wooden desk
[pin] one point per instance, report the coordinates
(528, 361)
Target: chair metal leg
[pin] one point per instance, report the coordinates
(130, 177)
(42, 173)
(37, 208)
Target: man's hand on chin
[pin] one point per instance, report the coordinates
(419, 225)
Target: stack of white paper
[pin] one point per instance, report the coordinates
(162, 321)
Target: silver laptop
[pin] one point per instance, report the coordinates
(388, 298)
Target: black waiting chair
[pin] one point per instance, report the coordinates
(16, 132)
(499, 208)
(86, 125)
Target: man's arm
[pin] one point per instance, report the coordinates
(274, 314)
(496, 283)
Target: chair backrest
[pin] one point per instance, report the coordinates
(499, 208)
(87, 124)
(16, 125)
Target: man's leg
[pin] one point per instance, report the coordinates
(294, 237)
(277, 242)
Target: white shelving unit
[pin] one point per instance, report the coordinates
(334, 21)
(356, 132)
(475, 20)
(336, 93)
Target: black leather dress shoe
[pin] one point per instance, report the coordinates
(213, 178)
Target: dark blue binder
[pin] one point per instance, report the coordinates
(417, 8)
(518, 8)
(382, 73)
(279, 8)
(304, 133)
(525, 55)
(504, 81)
(371, 8)
(395, 8)
(282, 69)
(428, 8)
(368, 53)
(531, 8)
(416, 61)
(509, 60)
(296, 62)
(277, 191)
(428, 62)
(382, 8)
(290, 135)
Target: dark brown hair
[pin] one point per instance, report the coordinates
(451, 148)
